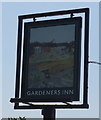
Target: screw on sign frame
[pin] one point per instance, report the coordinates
(17, 99)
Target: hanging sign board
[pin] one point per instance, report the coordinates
(51, 60)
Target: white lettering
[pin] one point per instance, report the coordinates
(50, 92)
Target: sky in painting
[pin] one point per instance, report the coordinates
(63, 33)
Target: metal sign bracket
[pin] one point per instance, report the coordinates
(17, 98)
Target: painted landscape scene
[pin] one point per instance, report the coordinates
(51, 57)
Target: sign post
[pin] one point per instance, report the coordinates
(51, 62)
(48, 113)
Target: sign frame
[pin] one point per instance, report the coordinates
(17, 98)
(77, 21)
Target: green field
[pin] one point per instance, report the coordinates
(58, 67)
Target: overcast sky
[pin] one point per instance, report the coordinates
(10, 13)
